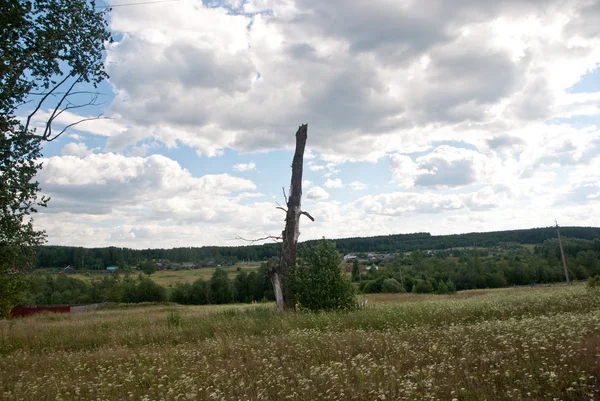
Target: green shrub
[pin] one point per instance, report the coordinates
(594, 282)
(148, 267)
(142, 290)
(391, 285)
(318, 282)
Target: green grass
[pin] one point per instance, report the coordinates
(528, 343)
(168, 277)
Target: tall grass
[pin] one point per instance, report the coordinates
(510, 344)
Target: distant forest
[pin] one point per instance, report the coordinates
(99, 258)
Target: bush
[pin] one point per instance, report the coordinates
(594, 282)
(181, 293)
(318, 282)
(391, 285)
(148, 267)
(142, 290)
(422, 287)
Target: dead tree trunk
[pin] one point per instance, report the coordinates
(287, 259)
(562, 253)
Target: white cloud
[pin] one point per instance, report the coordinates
(358, 186)
(335, 183)
(469, 102)
(401, 203)
(444, 167)
(153, 186)
(75, 149)
(317, 193)
(244, 167)
(404, 71)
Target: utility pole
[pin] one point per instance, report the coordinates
(562, 252)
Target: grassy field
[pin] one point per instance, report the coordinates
(168, 277)
(512, 344)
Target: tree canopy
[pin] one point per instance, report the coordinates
(47, 48)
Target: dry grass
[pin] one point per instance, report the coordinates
(530, 343)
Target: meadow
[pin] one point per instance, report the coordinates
(169, 277)
(539, 343)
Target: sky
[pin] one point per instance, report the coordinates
(423, 116)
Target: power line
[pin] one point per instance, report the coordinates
(137, 4)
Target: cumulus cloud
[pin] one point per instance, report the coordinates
(358, 186)
(75, 149)
(317, 193)
(335, 183)
(470, 102)
(400, 203)
(244, 167)
(227, 73)
(444, 167)
(154, 186)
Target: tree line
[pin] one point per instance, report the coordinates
(446, 272)
(220, 289)
(319, 286)
(100, 258)
(318, 283)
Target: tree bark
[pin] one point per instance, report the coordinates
(287, 261)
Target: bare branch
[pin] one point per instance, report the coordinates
(48, 130)
(284, 195)
(280, 207)
(308, 215)
(272, 237)
(48, 139)
(42, 101)
(54, 94)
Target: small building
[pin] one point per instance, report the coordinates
(69, 270)
(373, 267)
(112, 268)
(349, 257)
(370, 256)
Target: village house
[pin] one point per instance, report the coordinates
(69, 270)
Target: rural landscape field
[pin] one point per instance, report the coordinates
(349, 200)
(524, 343)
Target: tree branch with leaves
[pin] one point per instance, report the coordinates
(48, 48)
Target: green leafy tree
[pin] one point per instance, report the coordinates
(391, 285)
(47, 49)
(221, 288)
(355, 270)
(318, 282)
(242, 287)
(148, 267)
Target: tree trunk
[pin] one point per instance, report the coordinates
(287, 260)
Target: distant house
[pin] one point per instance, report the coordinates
(370, 256)
(348, 268)
(112, 268)
(69, 270)
(373, 267)
(349, 257)
(187, 265)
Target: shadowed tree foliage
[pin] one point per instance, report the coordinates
(47, 48)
